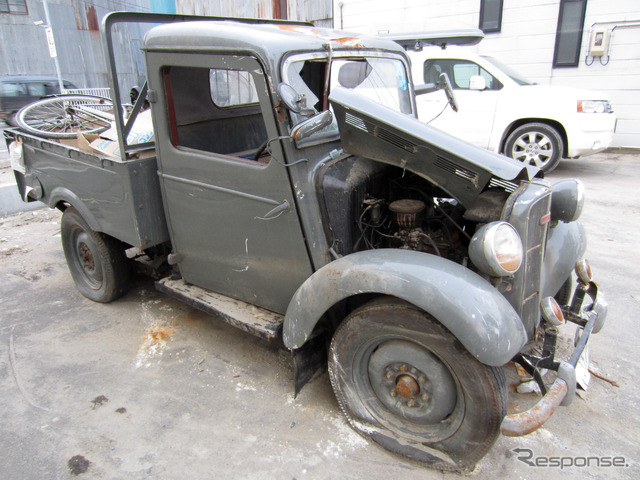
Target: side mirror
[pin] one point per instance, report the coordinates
(425, 88)
(477, 82)
(448, 90)
(312, 125)
(296, 102)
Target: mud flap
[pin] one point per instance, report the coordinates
(307, 360)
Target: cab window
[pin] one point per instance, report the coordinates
(459, 72)
(215, 110)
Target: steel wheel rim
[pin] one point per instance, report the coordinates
(533, 148)
(418, 421)
(88, 267)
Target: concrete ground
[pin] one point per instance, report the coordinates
(147, 387)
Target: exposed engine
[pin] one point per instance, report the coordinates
(412, 224)
(371, 205)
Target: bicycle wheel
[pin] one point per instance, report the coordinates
(64, 116)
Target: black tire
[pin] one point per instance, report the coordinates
(97, 262)
(535, 144)
(386, 355)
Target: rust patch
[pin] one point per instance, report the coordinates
(407, 387)
(159, 333)
(92, 18)
(300, 29)
(524, 423)
(349, 42)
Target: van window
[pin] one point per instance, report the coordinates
(459, 72)
(10, 89)
(36, 89)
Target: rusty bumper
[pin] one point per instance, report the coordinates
(564, 388)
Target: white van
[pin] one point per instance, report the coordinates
(503, 112)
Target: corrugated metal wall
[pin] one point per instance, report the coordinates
(317, 11)
(76, 23)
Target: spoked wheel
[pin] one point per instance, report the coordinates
(404, 381)
(64, 116)
(535, 144)
(97, 262)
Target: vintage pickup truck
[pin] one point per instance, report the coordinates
(292, 192)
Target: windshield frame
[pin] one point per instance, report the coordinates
(329, 133)
(512, 73)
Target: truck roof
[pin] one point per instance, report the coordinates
(270, 41)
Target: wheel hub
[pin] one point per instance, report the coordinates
(412, 382)
(86, 257)
(407, 387)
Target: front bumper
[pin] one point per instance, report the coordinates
(590, 319)
(590, 133)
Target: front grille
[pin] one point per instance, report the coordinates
(532, 204)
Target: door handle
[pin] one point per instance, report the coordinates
(275, 212)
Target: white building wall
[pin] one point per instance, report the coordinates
(527, 42)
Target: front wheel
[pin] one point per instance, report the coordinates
(406, 382)
(535, 144)
(97, 262)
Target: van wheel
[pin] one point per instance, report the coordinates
(97, 262)
(535, 144)
(406, 382)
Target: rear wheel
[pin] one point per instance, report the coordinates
(406, 382)
(97, 262)
(535, 144)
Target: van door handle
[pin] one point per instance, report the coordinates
(275, 212)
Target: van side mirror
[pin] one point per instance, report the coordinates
(477, 82)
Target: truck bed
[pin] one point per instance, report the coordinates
(116, 197)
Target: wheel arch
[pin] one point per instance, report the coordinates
(63, 198)
(557, 126)
(467, 305)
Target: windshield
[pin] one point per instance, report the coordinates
(515, 76)
(381, 79)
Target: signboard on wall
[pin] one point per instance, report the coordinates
(52, 45)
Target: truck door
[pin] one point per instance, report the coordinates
(230, 211)
(474, 120)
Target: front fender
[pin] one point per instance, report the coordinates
(466, 304)
(566, 243)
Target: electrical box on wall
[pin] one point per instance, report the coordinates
(599, 42)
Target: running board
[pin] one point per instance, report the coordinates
(254, 320)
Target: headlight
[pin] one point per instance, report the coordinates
(496, 249)
(567, 200)
(594, 106)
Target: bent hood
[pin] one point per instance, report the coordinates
(463, 170)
